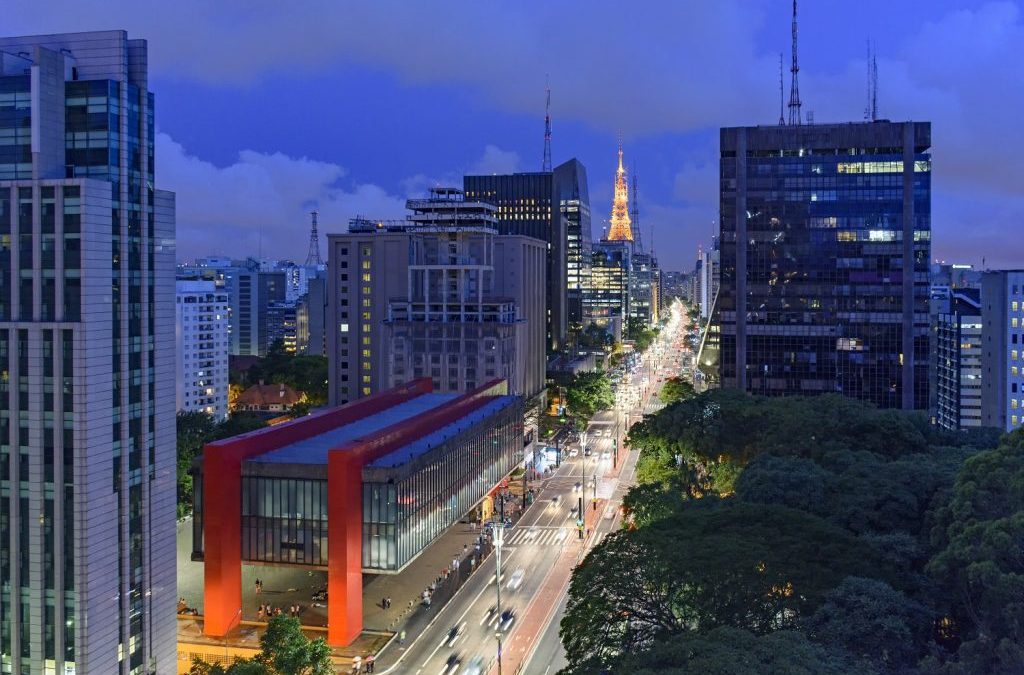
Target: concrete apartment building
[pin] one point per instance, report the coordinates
(201, 332)
(1002, 349)
(440, 295)
(87, 439)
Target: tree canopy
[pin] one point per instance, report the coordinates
(676, 389)
(851, 538)
(301, 372)
(284, 650)
(589, 392)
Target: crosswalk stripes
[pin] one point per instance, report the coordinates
(541, 536)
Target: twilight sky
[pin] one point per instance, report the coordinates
(266, 109)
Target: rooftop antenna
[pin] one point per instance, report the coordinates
(794, 85)
(546, 163)
(782, 118)
(313, 257)
(867, 104)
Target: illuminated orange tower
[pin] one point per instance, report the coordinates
(621, 229)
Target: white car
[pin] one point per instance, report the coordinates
(517, 579)
(474, 667)
(574, 452)
(606, 455)
(560, 535)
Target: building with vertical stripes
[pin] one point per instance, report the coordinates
(87, 447)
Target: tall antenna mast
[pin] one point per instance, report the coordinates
(546, 162)
(874, 86)
(313, 257)
(794, 85)
(867, 104)
(635, 215)
(782, 118)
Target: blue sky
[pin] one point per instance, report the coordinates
(267, 109)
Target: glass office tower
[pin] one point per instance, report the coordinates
(825, 244)
(553, 206)
(87, 450)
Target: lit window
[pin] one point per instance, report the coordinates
(366, 391)
(366, 379)
(366, 302)
(366, 277)
(344, 328)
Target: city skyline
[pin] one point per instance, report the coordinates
(302, 114)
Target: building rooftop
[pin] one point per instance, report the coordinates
(314, 450)
(426, 443)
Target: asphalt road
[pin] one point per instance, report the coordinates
(463, 634)
(532, 546)
(548, 656)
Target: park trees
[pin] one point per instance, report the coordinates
(676, 389)
(284, 650)
(589, 392)
(900, 544)
(713, 563)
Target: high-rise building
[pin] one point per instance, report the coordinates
(825, 243)
(1002, 352)
(958, 361)
(710, 270)
(282, 326)
(87, 439)
(439, 295)
(607, 296)
(643, 291)
(311, 317)
(201, 312)
(252, 292)
(553, 206)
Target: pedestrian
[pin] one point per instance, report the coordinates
(384, 603)
(401, 638)
(389, 602)
(465, 547)
(357, 664)
(369, 663)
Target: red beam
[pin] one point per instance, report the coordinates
(345, 505)
(222, 495)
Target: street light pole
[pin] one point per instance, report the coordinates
(583, 486)
(499, 539)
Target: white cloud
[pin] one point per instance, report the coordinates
(261, 202)
(495, 160)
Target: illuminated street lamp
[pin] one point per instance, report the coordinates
(499, 539)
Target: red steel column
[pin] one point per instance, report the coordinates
(344, 547)
(222, 513)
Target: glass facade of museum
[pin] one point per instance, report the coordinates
(406, 507)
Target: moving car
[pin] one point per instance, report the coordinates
(454, 634)
(577, 487)
(607, 454)
(517, 579)
(574, 452)
(474, 667)
(560, 535)
(507, 617)
(555, 501)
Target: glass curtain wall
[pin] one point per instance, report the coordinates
(404, 512)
